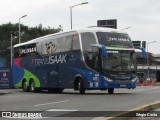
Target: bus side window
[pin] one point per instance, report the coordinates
(75, 42)
(97, 60)
(87, 39)
(67, 41)
(39, 48)
(90, 53)
(16, 52)
(21, 53)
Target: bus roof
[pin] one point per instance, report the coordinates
(88, 29)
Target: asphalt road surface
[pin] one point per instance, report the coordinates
(71, 101)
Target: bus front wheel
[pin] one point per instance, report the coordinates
(81, 86)
(110, 90)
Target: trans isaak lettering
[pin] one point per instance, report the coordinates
(51, 60)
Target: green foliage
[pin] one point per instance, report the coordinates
(27, 33)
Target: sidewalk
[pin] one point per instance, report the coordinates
(158, 84)
(7, 91)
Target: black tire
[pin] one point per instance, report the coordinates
(110, 90)
(32, 86)
(25, 87)
(81, 86)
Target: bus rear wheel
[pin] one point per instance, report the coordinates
(110, 90)
(32, 86)
(81, 86)
(25, 86)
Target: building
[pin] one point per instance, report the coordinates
(150, 68)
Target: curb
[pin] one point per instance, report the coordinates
(6, 91)
(145, 107)
(3, 93)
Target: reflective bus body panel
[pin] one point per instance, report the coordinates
(54, 61)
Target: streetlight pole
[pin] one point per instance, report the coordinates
(148, 56)
(20, 28)
(73, 7)
(11, 48)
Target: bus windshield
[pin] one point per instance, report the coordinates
(119, 61)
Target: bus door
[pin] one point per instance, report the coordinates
(42, 74)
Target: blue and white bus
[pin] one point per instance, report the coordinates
(85, 59)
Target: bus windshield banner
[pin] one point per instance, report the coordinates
(110, 39)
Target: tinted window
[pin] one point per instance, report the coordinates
(25, 50)
(120, 61)
(48, 47)
(66, 43)
(92, 59)
(87, 39)
(53, 45)
(90, 53)
(75, 42)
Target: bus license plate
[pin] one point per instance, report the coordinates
(122, 85)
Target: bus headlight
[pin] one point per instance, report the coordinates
(134, 79)
(108, 79)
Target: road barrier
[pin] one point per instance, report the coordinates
(153, 83)
(147, 83)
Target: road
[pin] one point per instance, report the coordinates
(70, 101)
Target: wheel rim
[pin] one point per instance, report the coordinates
(32, 86)
(25, 85)
(79, 85)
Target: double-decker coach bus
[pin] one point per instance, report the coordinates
(85, 59)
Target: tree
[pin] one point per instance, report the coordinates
(27, 33)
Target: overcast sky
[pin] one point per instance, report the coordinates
(143, 16)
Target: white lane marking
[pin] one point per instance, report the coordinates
(148, 89)
(156, 87)
(99, 118)
(62, 110)
(140, 90)
(52, 103)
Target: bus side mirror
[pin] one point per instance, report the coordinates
(102, 48)
(104, 52)
(144, 53)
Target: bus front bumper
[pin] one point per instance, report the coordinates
(128, 85)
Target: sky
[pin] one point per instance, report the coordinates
(142, 16)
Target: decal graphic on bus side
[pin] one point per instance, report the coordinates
(50, 60)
